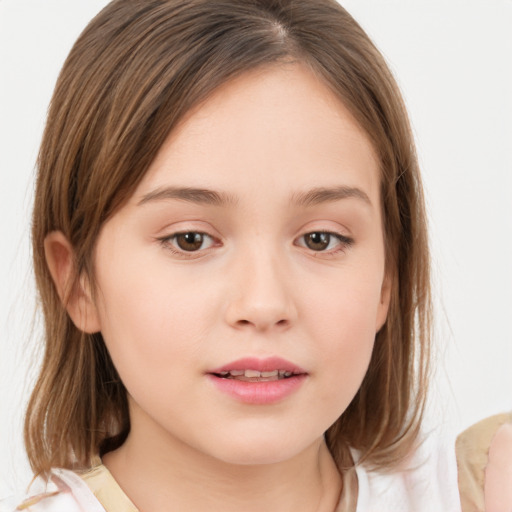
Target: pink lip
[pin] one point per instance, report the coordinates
(261, 365)
(259, 393)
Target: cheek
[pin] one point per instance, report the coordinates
(150, 321)
(342, 320)
(344, 304)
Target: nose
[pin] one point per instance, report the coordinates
(261, 297)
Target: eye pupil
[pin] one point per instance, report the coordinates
(190, 241)
(317, 241)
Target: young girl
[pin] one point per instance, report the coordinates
(231, 252)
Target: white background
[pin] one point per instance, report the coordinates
(453, 61)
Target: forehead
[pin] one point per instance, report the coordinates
(281, 124)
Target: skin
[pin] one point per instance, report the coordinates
(498, 473)
(254, 288)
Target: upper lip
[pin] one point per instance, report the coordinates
(267, 364)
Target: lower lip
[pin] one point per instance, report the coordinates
(258, 393)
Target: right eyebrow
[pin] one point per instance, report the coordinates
(190, 194)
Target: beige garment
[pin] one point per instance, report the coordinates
(113, 499)
(472, 448)
(107, 490)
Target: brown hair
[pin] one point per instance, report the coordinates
(134, 72)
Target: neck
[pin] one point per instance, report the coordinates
(154, 477)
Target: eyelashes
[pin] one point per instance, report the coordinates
(194, 244)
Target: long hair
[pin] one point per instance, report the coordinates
(137, 68)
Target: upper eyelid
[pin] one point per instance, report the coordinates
(186, 231)
(170, 231)
(204, 232)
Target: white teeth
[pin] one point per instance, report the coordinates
(255, 374)
(252, 373)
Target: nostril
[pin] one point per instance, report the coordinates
(280, 323)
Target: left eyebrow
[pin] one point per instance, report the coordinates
(327, 195)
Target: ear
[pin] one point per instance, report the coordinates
(385, 298)
(75, 296)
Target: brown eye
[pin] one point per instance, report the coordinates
(324, 241)
(317, 241)
(189, 241)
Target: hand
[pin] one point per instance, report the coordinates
(498, 474)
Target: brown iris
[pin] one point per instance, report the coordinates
(190, 241)
(317, 241)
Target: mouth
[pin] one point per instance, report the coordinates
(252, 369)
(258, 381)
(250, 375)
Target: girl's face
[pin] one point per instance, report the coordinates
(253, 244)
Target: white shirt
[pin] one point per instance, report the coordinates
(426, 483)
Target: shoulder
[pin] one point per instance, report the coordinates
(484, 460)
(65, 491)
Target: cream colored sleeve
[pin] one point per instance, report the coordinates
(483, 463)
